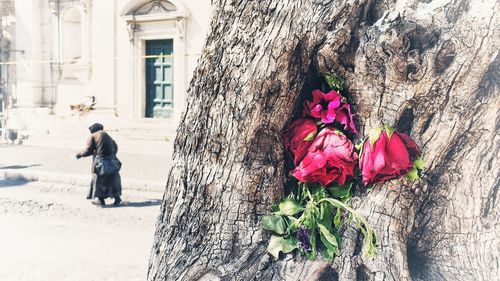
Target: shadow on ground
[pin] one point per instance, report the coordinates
(147, 203)
(12, 182)
(19, 166)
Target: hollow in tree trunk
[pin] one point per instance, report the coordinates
(428, 68)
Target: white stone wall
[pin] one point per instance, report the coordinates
(103, 46)
(197, 27)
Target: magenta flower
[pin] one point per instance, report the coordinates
(324, 106)
(329, 108)
(345, 117)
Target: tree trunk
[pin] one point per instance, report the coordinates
(429, 68)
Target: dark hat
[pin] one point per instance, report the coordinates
(96, 127)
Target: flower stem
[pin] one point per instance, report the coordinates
(338, 203)
(308, 193)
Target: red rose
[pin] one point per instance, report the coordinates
(330, 157)
(387, 155)
(330, 107)
(299, 136)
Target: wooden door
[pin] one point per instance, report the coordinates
(159, 78)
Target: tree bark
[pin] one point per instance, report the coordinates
(429, 68)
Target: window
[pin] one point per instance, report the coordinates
(71, 35)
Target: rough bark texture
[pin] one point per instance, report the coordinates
(429, 68)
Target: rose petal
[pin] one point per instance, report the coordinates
(412, 147)
(388, 158)
(330, 158)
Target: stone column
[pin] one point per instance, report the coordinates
(29, 67)
(181, 79)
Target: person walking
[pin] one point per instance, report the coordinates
(106, 181)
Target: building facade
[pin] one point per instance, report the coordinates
(129, 58)
(7, 20)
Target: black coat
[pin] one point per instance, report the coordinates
(101, 145)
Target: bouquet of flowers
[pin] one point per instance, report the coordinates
(325, 163)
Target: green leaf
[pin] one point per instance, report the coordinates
(337, 219)
(311, 215)
(388, 130)
(327, 234)
(317, 191)
(310, 137)
(294, 224)
(303, 194)
(413, 174)
(370, 241)
(274, 208)
(333, 201)
(326, 214)
(279, 244)
(314, 252)
(374, 134)
(334, 82)
(274, 223)
(370, 244)
(418, 166)
(289, 207)
(343, 191)
(350, 217)
(330, 242)
(329, 251)
(419, 163)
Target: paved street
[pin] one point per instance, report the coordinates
(49, 231)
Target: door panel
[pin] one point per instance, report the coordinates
(159, 78)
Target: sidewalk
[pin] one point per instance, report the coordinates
(140, 171)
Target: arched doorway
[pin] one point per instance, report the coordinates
(156, 32)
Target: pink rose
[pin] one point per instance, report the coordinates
(330, 157)
(384, 158)
(329, 108)
(299, 136)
